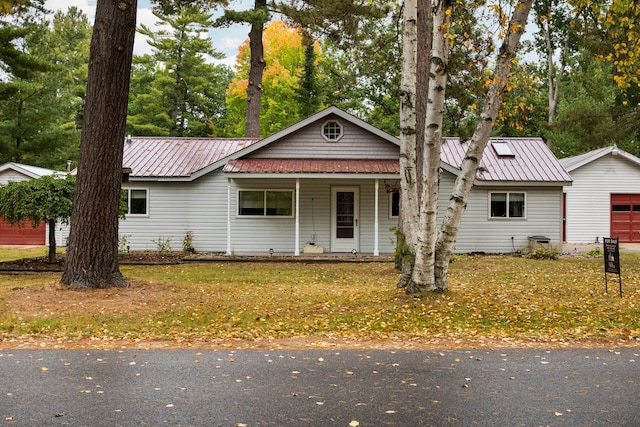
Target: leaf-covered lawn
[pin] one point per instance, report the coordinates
(491, 298)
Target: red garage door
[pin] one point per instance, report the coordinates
(26, 235)
(625, 217)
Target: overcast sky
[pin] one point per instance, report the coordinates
(225, 40)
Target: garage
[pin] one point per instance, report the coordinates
(625, 217)
(25, 235)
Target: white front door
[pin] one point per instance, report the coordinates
(345, 233)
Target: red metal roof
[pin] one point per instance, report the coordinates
(532, 161)
(177, 157)
(376, 166)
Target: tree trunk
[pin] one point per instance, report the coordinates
(254, 88)
(423, 66)
(92, 258)
(408, 190)
(423, 271)
(52, 241)
(554, 77)
(479, 140)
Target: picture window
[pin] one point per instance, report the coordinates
(265, 203)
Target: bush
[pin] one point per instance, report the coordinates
(542, 253)
(163, 245)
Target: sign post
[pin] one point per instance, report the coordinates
(611, 261)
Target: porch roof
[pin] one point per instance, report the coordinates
(314, 166)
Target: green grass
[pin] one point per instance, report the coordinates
(13, 253)
(490, 298)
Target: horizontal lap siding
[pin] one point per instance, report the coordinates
(261, 234)
(308, 143)
(589, 198)
(386, 237)
(175, 208)
(22, 235)
(479, 234)
(201, 207)
(11, 176)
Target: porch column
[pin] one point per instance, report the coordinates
(228, 216)
(296, 252)
(376, 250)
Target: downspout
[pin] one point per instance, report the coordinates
(297, 245)
(376, 250)
(228, 216)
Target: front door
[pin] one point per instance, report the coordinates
(344, 219)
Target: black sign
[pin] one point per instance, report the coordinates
(611, 255)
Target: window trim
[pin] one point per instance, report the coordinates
(138, 215)
(507, 217)
(264, 201)
(324, 125)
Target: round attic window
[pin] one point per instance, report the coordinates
(332, 131)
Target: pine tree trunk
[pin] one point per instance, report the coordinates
(254, 88)
(92, 258)
(479, 140)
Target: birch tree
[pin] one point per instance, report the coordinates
(432, 249)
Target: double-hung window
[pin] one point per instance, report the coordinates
(136, 200)
(265, 203)
(507, 205)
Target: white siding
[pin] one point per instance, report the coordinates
(478, 233)
(589, 198)
(11, 175)
(261, 234)
(308, 143)
(201, 207)
(177, 207)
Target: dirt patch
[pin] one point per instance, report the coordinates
(59, 300)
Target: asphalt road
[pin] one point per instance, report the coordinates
(514, 387)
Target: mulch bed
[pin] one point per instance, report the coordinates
(42, 264)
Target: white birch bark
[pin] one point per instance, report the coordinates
(408, 189)
(479, 140)
(423, 271)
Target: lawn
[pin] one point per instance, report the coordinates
(493, 300)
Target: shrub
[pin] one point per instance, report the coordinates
(542, 253)
(163, 245)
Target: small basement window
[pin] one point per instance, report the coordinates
(332, 130)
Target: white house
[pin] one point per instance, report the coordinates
(604, 200)
(325, 184)
(26, 235)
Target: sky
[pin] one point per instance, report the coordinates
(225, 40)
